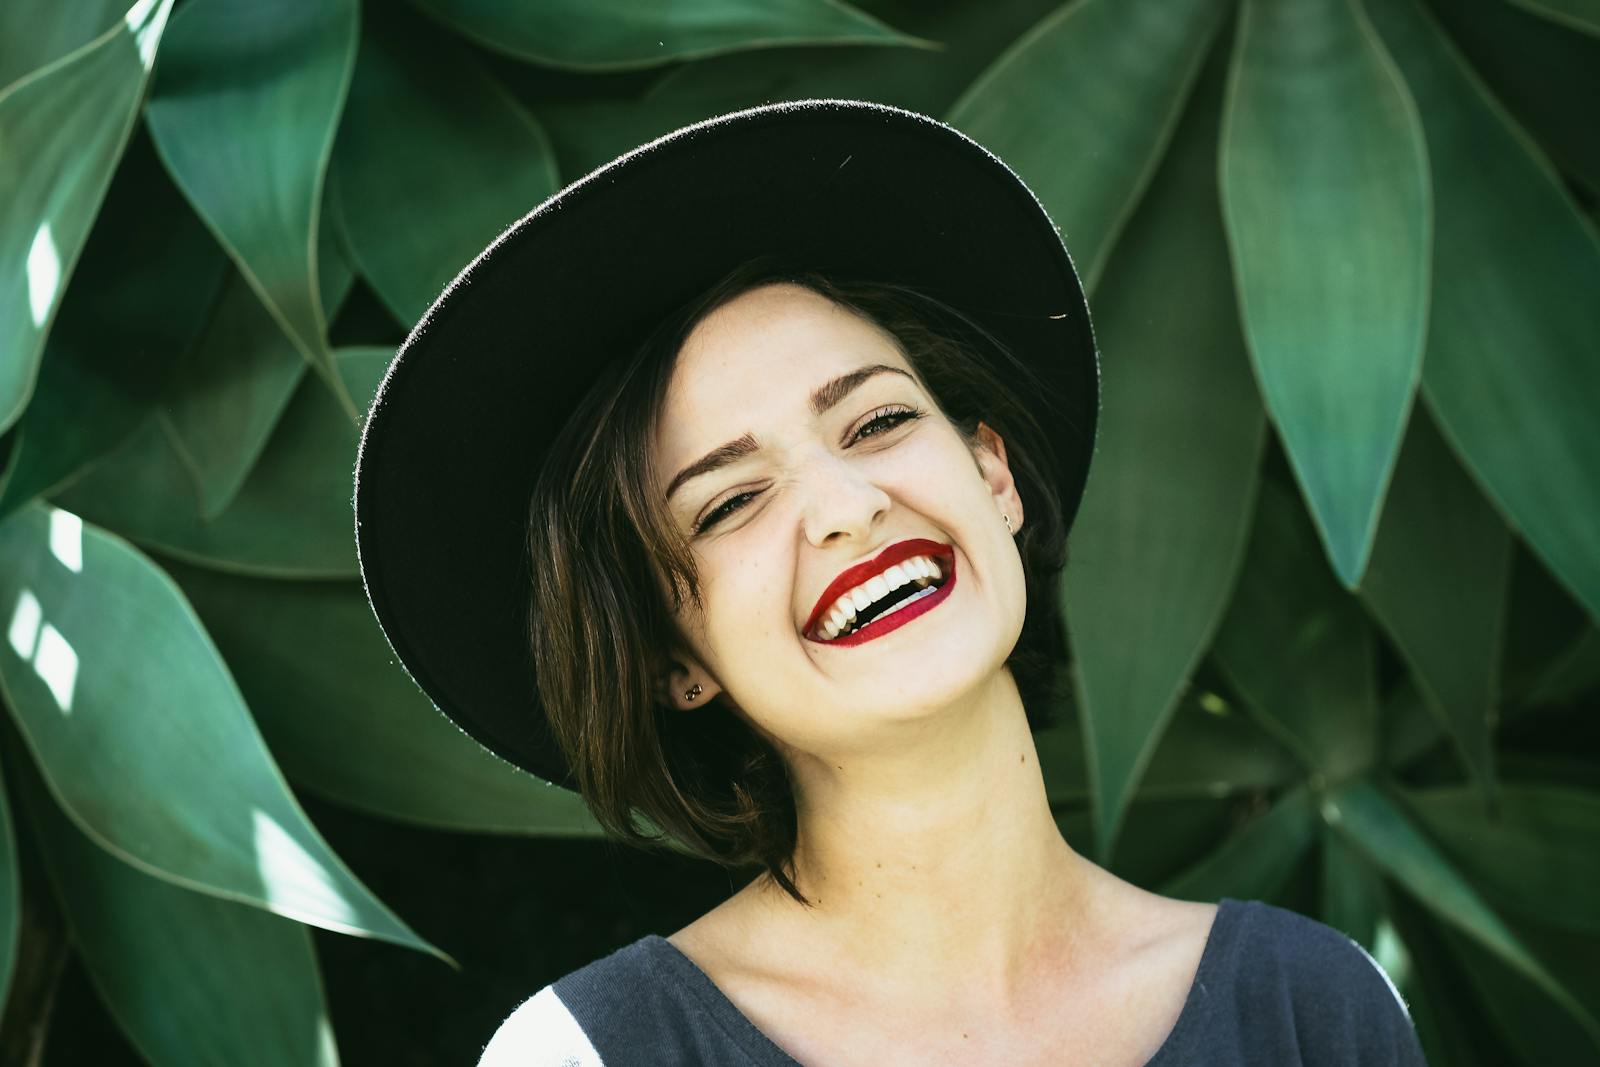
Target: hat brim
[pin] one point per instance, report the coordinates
(473, 398)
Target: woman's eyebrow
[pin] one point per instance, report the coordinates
(826, 397)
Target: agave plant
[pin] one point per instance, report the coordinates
(1333, 602)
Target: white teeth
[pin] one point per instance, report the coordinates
(922, 570)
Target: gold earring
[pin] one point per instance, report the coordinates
(693, 691)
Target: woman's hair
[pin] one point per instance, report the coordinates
(604, 549)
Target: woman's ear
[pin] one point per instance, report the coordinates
(991, 456)
(684, 684)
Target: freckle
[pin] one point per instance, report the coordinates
(1022, 759)
(963, 1037)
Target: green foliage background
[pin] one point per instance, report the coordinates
(1334, 592)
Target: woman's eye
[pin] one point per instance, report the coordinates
(723, 510)
(887, 420)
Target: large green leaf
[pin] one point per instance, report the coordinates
(1580, 15)
(243, 113)
(345, 720)
(1297, 647)
(1258, 859)
(290, 518)
(232, 390)
(1511, 373)
(596, 35)
(487, 163)
(1147, 592)
(62, 130)
(1438, 581)
(143, 738)
(1537, 855)
(1547, 75)
(1390, 841)
(190, 979)
(39, 32)
(121, 330)
(10, 898)
(589, 132)
(1082, 107)
(1325, 193)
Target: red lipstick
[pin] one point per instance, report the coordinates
(856, 575)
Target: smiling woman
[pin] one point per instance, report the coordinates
(752, 533)
(605, 630)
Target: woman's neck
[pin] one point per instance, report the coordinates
(935, 860)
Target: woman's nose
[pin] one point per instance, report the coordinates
(840, 500)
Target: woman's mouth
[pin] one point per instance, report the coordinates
(893, 596)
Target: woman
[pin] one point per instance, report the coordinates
(768, 435)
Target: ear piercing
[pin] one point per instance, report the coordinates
(693, 691)
(1006, 517)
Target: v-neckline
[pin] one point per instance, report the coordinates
(765, 1052)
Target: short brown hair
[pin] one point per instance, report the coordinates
(601, 539)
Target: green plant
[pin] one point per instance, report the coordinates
(1348, 666)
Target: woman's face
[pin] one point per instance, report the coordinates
(835, 477)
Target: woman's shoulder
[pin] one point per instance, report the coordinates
(1280, 987)
(645, 1003)
(553, 1027)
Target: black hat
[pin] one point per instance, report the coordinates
(475, 396)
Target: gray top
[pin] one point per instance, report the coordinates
(1273, 987)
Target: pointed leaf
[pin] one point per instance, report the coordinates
(243, 114)
(1257, 860)
(235, 385)
(1082, 107)
(1382, 833)
(1535, 856)
(143, 738)
(596, 35)
(1580, 15)
(290, 519)
(62, 130)
(1544, 73)
(323, 684)
(410, 91)
(121, 330)
(1438, 581)
(1143, 605)
(1297, 647)
(1511, 373)
(190, 979)
(39, 33)
(1325, 192)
